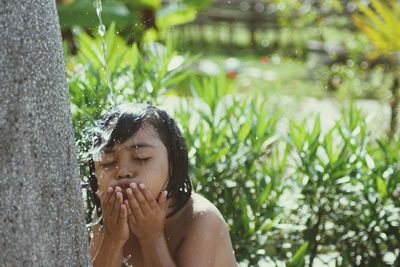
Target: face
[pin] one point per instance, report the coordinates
(142, 158)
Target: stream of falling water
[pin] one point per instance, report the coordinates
(111, 96)
(102, 31)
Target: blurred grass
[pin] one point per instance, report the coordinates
(289, 66)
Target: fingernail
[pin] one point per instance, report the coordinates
(141, 186)
(110, 189)
(133, 185)
(129, 191)
(165, 193)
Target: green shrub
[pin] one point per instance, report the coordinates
(348, 184)
(135, 75)
(345, 186)
(235, 162)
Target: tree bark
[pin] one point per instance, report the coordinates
(41, 207)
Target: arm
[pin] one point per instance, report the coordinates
(107, 244)
(106, 252)
(156, 253)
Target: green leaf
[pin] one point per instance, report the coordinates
(83, 13)
(244, 131)
(153, 4)
(298, 258)
(174, 14)
(244, 211)
(265, 194)
(381, 185)
(198, 4)
(268, 225)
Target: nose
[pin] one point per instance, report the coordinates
(125, 169)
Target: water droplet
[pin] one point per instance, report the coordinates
(102, 30)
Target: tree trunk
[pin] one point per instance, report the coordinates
(41, 207)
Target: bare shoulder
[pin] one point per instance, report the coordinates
(205, 213)
(207, 221)
(206, 236)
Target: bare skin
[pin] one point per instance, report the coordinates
(132, 181)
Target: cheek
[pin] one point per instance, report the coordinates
(157, 177)
(102, 180)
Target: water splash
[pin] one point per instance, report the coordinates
(125, 261)
(102, 31)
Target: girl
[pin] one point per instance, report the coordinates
(149, 214)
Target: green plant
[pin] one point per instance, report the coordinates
(141, 76)
(347, 200)
(83, 13)
(235, 162)
(380, 23)
(348, 185)
(137, 21)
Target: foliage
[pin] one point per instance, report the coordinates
(140, 76)
(346, 186)
(381, 24)
(349, 188)
(134, 19)
(235, 162)
(83, 13)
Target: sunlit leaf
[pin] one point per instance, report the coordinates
(298, 258)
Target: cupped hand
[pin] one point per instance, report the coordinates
(114, 211)
(146, 216)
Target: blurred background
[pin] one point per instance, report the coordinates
(289, 109)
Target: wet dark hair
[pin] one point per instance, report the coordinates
(122, 122)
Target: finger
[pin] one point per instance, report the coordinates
(117, 203)
(108, 206)
(148, 196)
(133, 203)
(130, 196)
(131, 216)
(141, 199)
(122, 214)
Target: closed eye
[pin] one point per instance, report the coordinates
(108, 165)
(143, 159)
